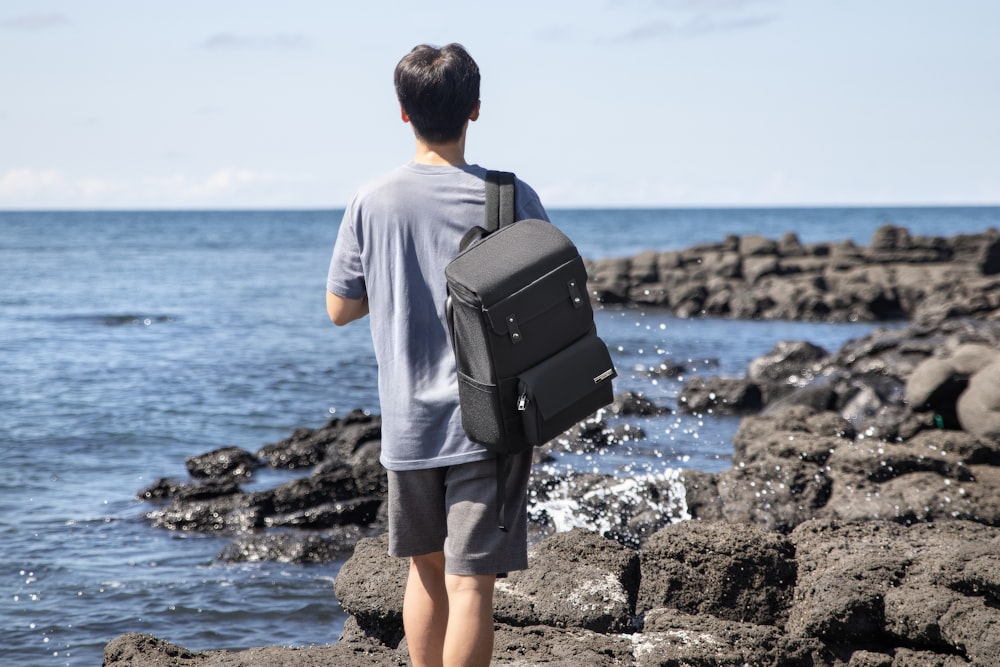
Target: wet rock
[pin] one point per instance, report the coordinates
(225, 462)
(337, 439)
(720, 395)
(165, 489)
(788, 360)
(635, 403)
(232, 513)
(358, 511)
(293, 547)
(625, 509)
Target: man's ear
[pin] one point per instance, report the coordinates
(475, 111)
(405, 117)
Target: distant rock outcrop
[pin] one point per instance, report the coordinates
(898, 276)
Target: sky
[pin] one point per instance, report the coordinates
(194, 104)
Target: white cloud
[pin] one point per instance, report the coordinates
(220, 183)
(36, 22)
(26, 187)
(24, 181)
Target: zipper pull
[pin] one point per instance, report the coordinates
(522, 402)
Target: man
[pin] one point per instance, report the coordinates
(397, 235)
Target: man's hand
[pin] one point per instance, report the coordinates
(342, 311)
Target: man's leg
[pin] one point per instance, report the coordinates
(425, 610)
(469, 640)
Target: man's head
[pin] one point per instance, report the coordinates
(438, 89)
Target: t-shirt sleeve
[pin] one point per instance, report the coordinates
(528, 204)
(346, 277)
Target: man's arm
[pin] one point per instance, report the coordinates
(343, 311)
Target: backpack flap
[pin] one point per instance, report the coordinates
(565, 388)
(564, 285)
(508, 259)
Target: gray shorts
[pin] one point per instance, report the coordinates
(453, 509)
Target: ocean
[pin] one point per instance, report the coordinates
(132, 340)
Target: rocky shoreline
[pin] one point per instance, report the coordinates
(898, 276)
(858, 525)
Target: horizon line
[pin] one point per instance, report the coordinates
(573, 207)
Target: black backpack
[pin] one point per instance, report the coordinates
(530, 363)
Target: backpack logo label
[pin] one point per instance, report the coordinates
(605, 375)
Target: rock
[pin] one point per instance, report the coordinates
(704, 593)
(225, 462)
(575, 579)
(754, 245)
(138, 650)
(735, 572)
(627, 510)
(774, 493)
(988, 259)
(970, 358)
(634, 403)
(935, 385)
(788, 362)
(930, 587)
(306, 447)
(370, 588)
(232, 513)
(720, 395)
(891, 237)
(293, 547)
(931, 279)
(707, 640)
(978, 408)
(164, 489)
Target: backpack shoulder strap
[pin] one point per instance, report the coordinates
(499, 199)
(499, 206)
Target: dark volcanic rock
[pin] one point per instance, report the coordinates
(830, 594)
(739, 573)
(720, 395)
(370, 588)
(898, 276)
(165, 489)
(675, 638)
(575, 579)
(293, 547)
(931, 586)
(858, 526)
(225, 462)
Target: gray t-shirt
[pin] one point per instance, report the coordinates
(398, 234)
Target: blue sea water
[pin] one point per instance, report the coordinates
(131, 340)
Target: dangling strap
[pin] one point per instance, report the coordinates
(503, 471)
(499, 207)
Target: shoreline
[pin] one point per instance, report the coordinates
(806, 481)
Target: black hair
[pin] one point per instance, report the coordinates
(438, 88)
